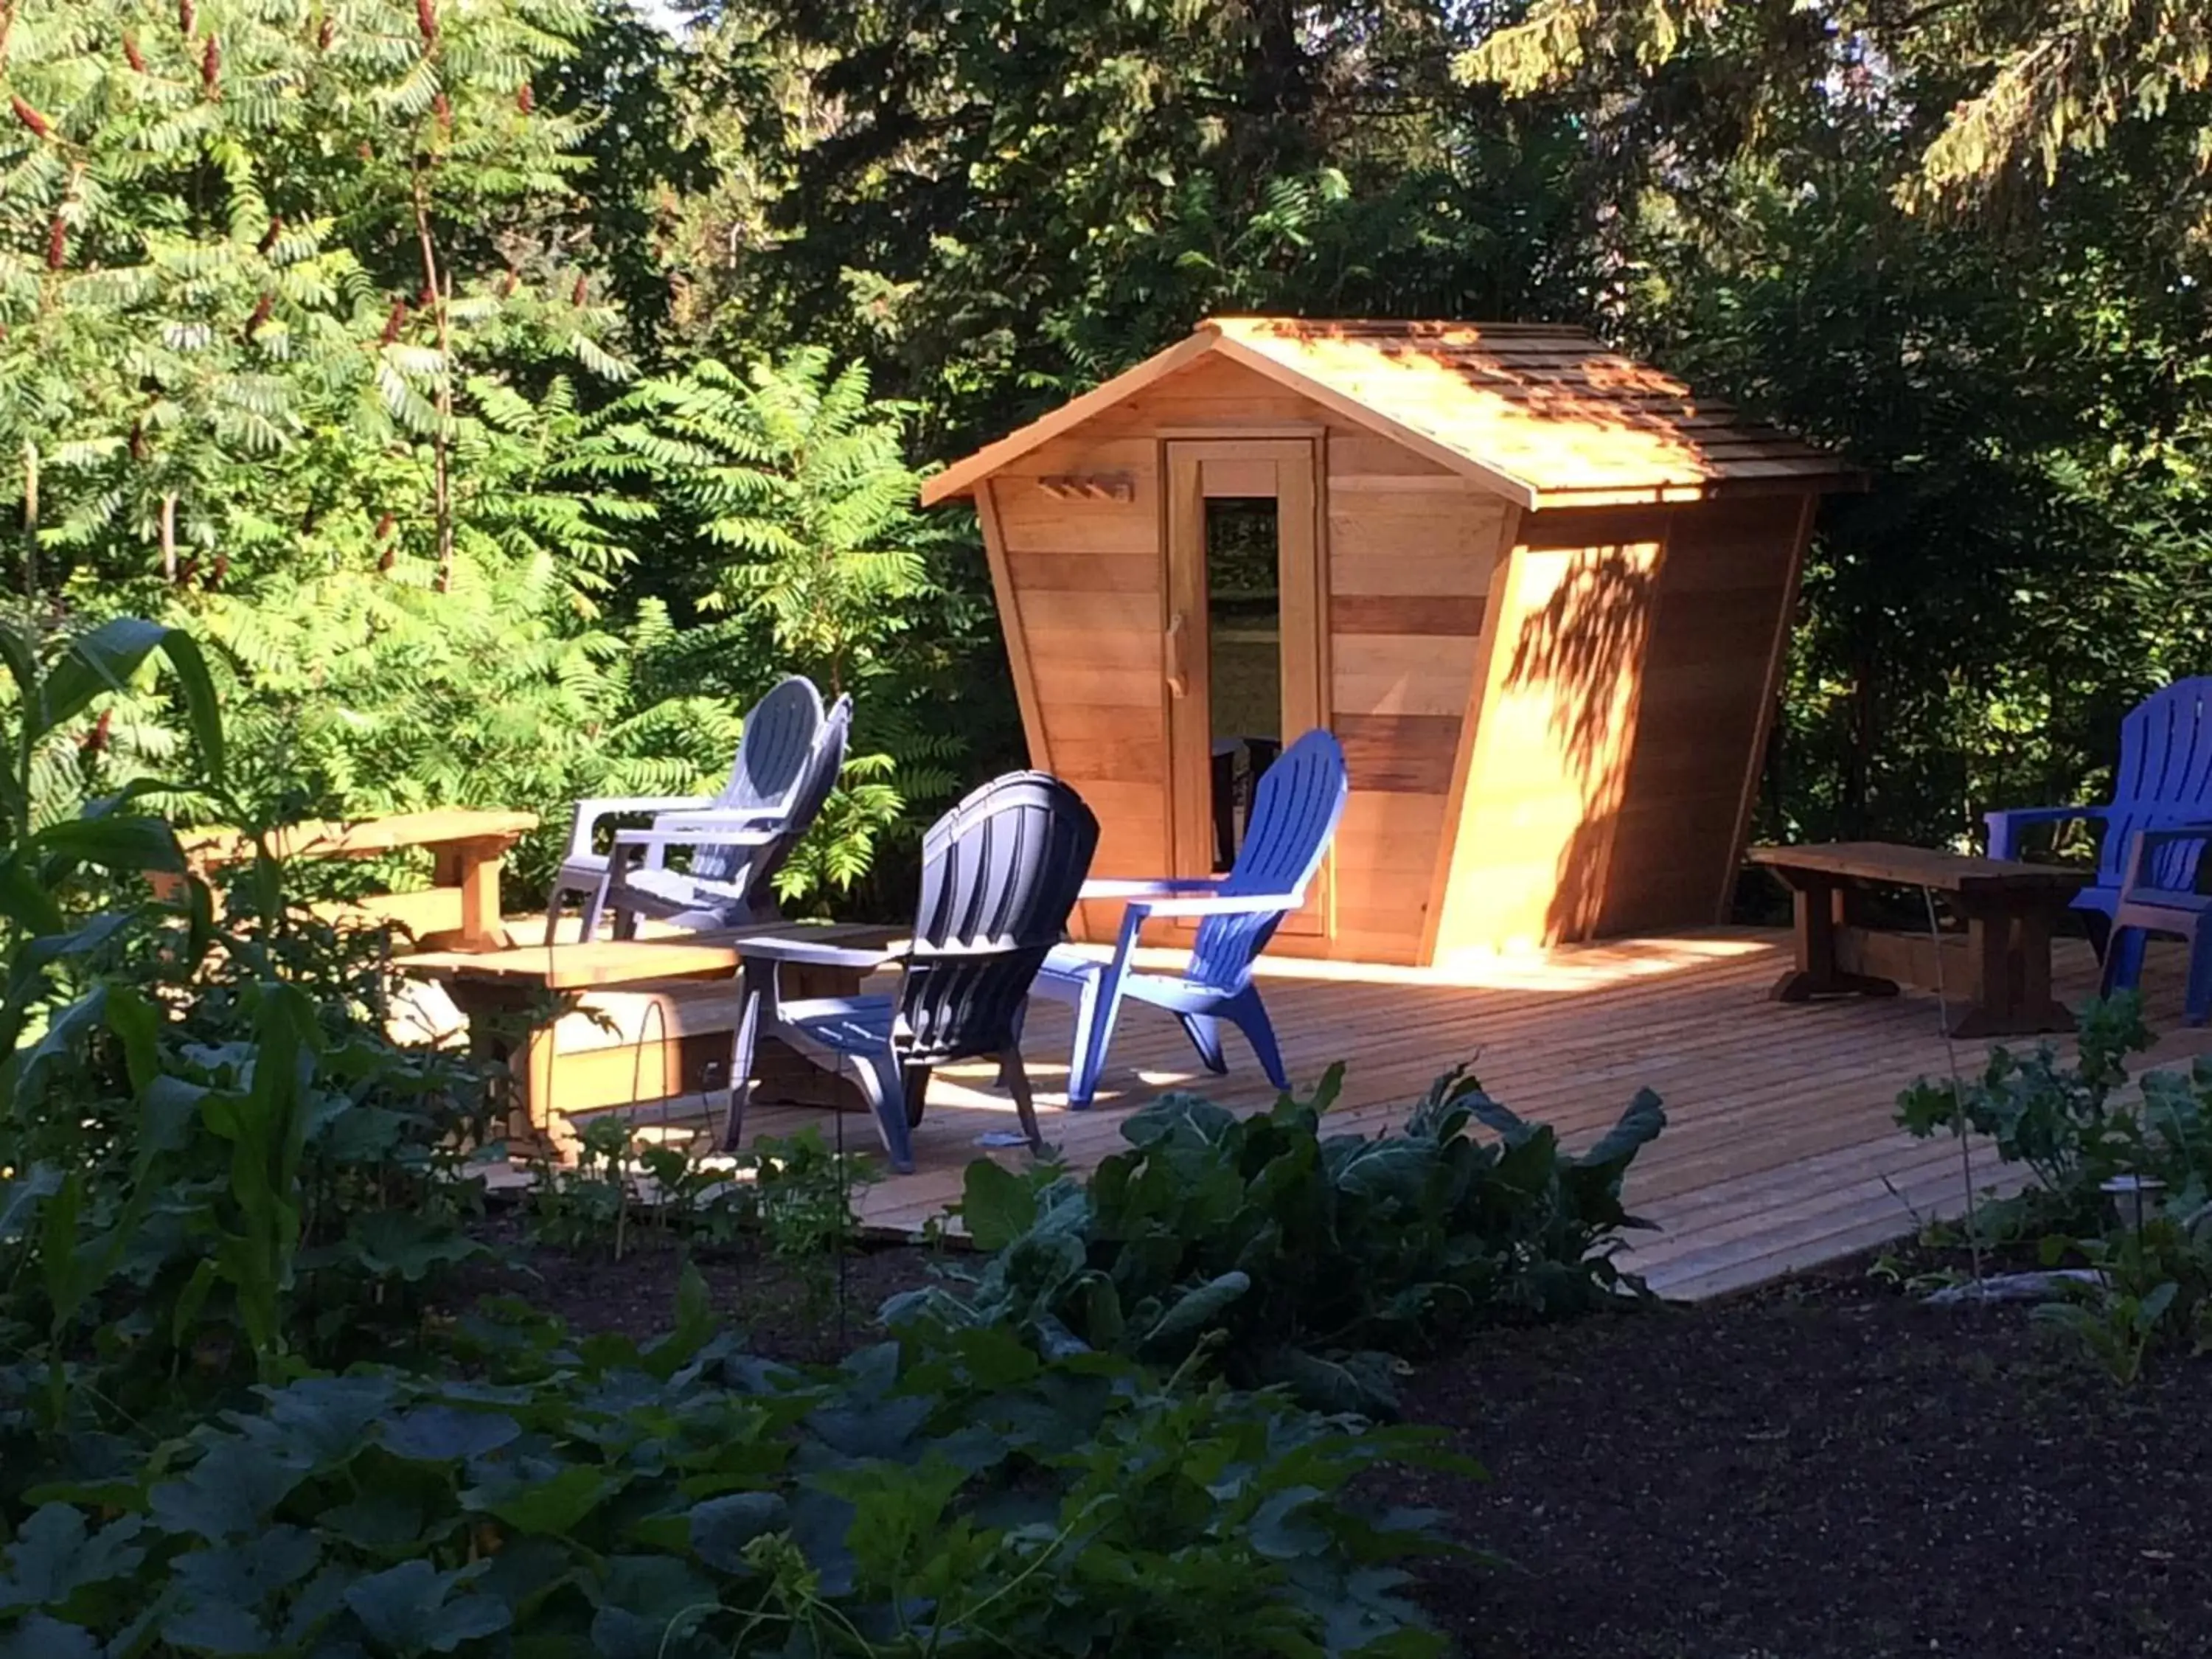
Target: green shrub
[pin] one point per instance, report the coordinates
(2058, 1119)
(1306, 1259)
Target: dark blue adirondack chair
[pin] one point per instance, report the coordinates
(781, 741)
(999, 873)
(1295, 809)
(2165, 779)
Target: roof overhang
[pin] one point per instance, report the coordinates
(1211, 339)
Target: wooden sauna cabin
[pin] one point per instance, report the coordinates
(1540, 592)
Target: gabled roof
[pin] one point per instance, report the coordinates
(1548, 416)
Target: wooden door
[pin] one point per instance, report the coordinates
(1247, 660)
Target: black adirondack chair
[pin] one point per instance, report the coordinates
(999, 875)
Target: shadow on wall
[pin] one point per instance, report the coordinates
(1579, 654)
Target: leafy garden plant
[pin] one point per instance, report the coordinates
(2144, 1277)
(1298, 1258)
(949, 1496)
(2059, 1119)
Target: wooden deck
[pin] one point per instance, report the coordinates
(1779, 1153)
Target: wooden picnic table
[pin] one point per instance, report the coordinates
(1998, 971)
(511, 999)
(467, 848)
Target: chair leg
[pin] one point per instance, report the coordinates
(914, 1081)
(1249, 1015)
(1021, 1017)
(2196, 1001)
(2098, 925)
(881, 1080)
(1205, 1032)
(1016, 1077)
(1090, 1051)
(2123, 959)
(1080, 1083)
(595, 906)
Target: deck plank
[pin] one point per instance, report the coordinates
(1781, 1151)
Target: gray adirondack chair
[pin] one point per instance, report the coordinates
(730, 879)
(2164, 780)
(999, 873)
(779, 758)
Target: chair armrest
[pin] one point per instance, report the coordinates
(590, 810)
(1164, 887)
(2006, 825)
(739, 818)
(788, 948)
(2147, 841)
(1222, 904)
(696, 836)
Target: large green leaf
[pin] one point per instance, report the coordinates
(414, 1608)
(41, 1638)
(102, 660)
(557, 1504)
(721, 1528)
(1195, 1313)
(127, 846)
(55, 1555)
(997, 1206)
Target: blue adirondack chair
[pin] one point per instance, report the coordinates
(1295, 810)
(2147, 906)
(778, 757)
(2165, 779)
(999, 873)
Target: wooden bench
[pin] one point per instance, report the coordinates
(1996, 973)
(467, 848)
(560, 1065)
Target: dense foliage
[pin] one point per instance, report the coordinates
(1292, 1257)
(494, 387)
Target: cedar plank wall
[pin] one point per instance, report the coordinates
(1558, 707)
(1726, 578)
(1622, 704)
(1410, 550)
(1085, 579)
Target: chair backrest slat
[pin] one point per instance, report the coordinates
(2165, 776)
(1295, 809)
(780, 736)
(1000, 874)
(823, 768)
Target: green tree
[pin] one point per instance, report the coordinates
(795, 540)
(1002, 204)
(297, 330)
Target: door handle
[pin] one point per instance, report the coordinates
(1178, 676)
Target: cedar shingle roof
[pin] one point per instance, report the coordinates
(1546, 414)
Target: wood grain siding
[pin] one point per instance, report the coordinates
(1560, 707)
(1448, 614)
(1399, 754)
(1084, 595)
(1412, 549)
(1721, 591)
